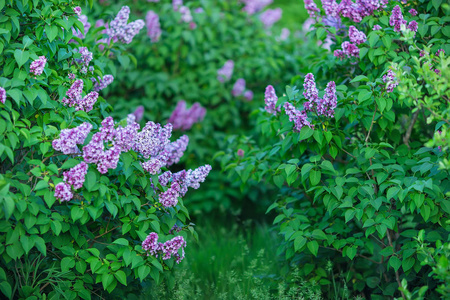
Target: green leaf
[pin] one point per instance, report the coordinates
(395, 263)
(67, 263)
(40, 245)
(299, 242)
(408, 263)
(319, 234)
(314, 177)
(364, 96)
(121, 277)
(121, 241)
(27, 243)
(313, 246)
(107, 279)
(360, 78)
(5, 287)
(305, 133)
(368, 223)
(51, 31)
(21, 57)
(143, 272)
(351, 252)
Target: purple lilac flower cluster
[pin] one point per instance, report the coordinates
(413, 12)
(376, 27)
(270, 98)
(356, 36)
(77, 10)
(312, 8)
(253, 6)
(248, 95)
(439, 52)
(270, 17)
(136, 116)
(238, 87)
(186, 179)
(167, 249)
(86, 57)
(37, 66)
(176, 4)
(186, 15)
(183, 118)
(2, 95)
(355, 11)
(390, 80)
(225, 73)
(325, 106)
(74, 98)
(396, 19)
(350, 49)
(152, 139)
(284, 34)
(169, 198)
(70, 138)
(153, 26)
(413, 26)
(63, 192)
(76, 175)
(100, 84)
(119, 30)
(298, 117)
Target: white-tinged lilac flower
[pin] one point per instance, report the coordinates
(310, 90)
(175, 150)
(186, 179)
(125, 136)
(153, 166)
(330, 7)
(169, 198)
(248, 95)
(176, 4)
(88, 101)
(94, 150)
(240, 152)
(2, 95)
(284, 34)
(356, 36)
(107, 130)
(77, 11)
(349, 9)
(312, 8)
(186, 16)
(70, 138)
(329, 101)
(270, 16)
(76, 175)
(238, 87)
(73, 95)
(198, 175)
(376, 27)
(86, 25)
(138, 113)
(119, 30)
(101, 84)
(151, 243)
(86, 57)
(108, 159)
(390, 80)
(153, 26)
(171, 248)
(63, 192)
(37, 66)
(183, 118)
(152, 139)
(396, 18)
(270, 98)
(225, 73)
(298, 117)
(253, 6)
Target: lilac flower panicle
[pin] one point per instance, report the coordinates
(270, 16)
(153, 166)
(176, 4)
(107, 130)
(73, 95)
(76, 175)
(63, 192)
(339, 53)
(153, 26)
(100, 84)
(225, 73)
(94, 149)
(71, 76)
(151, 243)
(198, 175)
(77, 10)
(270, 98)
(298, 117)
(119, 30)
(390, 80)
(70, 138)
(186, 16)
(238, 87)
(413, 26)
(376, 27)
(253, 6)
(139, 113)
(348, 49)
(86, 25)
(175, 150)
(108, 159)
(349, 9)
(356, 36)
(88, 101)
(86, 57)
(131, 30)
(171, 247)
(396, 18)
(240, 152)
(248, 95)
(439, 52)
(330, 7)
(183, 118)
(37, 66)
(2, 95)
(284, 34)
(125, 136)
(310, 90)
(152, 139)
(164, 178)
(169, 198)
(312, 8)
(413, 12)
(329, 102)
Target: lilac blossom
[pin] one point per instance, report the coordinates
(151, 243)
(37, 66)
(439, 52)
(186, 16)
(139, 113)
(349, 9)
(2, 95)
(270, 98)
(101, 84)
(225, 73)
(348, 50)
(94, 150)
(153, 166)
(86, 57)
(108, 132)
(77, 11)
(376, 27)
(63, 192)
(413, 26)
(270, 17)
(284, 34)
(330, 7)
(396, 18)
(152, 139)
(73, 95)
(183, 118)
(88, 101)
(253, 6)
(356, 36)
(312, 8)
(248, 95)
(329, 101)
(176, 4)
(296, 116)
(310, 90)
(119, 29)
(171, 248)
(390, 80)
(71, 76)
(186, 179)
(240, 152)
(238, 87)
(153, 26)
(175, 150)
(76, 175)
(125, 136)
(169, 198)
(413, 12)
(198, 175)
(108, 159)
(70, 138)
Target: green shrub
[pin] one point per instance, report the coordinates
(361, 181)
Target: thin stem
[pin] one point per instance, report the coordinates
(371, 124)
